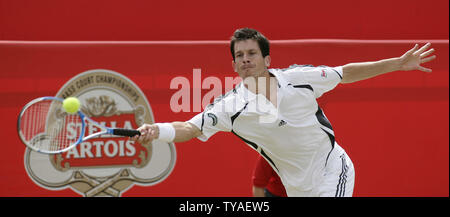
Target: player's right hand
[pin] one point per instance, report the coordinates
(149, 132)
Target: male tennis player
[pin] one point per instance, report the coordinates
(280, 118)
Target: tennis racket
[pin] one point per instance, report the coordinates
(44, 126)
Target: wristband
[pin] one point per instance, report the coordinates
(166, 132)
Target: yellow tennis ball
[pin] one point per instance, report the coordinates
(71, 105)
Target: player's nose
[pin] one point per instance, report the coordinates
(246, 60)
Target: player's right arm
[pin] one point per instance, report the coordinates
(202, 126)
(183, 131)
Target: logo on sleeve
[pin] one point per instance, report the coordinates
(213, 117)
(282, 123)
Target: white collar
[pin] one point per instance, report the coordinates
(281, 81)
(246, 94)
(249, 95)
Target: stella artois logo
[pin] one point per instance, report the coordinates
(108, 165)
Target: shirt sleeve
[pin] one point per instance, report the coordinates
(321, 79)
(212, 120)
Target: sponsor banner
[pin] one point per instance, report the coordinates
(108, 165)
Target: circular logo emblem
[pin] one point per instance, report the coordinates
(108, 165)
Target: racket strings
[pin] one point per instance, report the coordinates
(46, 127)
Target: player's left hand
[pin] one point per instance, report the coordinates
(413, 58)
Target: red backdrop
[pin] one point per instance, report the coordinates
(216, 20)
(394, 127)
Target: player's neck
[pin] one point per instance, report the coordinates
(265, 84)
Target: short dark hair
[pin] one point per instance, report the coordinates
(247, 33)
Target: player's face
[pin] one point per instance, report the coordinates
(249, 60)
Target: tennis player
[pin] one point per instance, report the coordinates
(276, 113)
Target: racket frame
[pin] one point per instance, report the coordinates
(81, 138)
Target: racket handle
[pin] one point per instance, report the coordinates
(126, 132)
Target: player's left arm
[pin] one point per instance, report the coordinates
(411, 60)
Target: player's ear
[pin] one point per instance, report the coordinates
(267, 61)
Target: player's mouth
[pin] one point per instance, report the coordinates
(247, 66)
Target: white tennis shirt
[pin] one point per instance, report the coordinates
(295, 138)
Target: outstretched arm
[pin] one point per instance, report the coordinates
(411, 60)
(183, 131)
